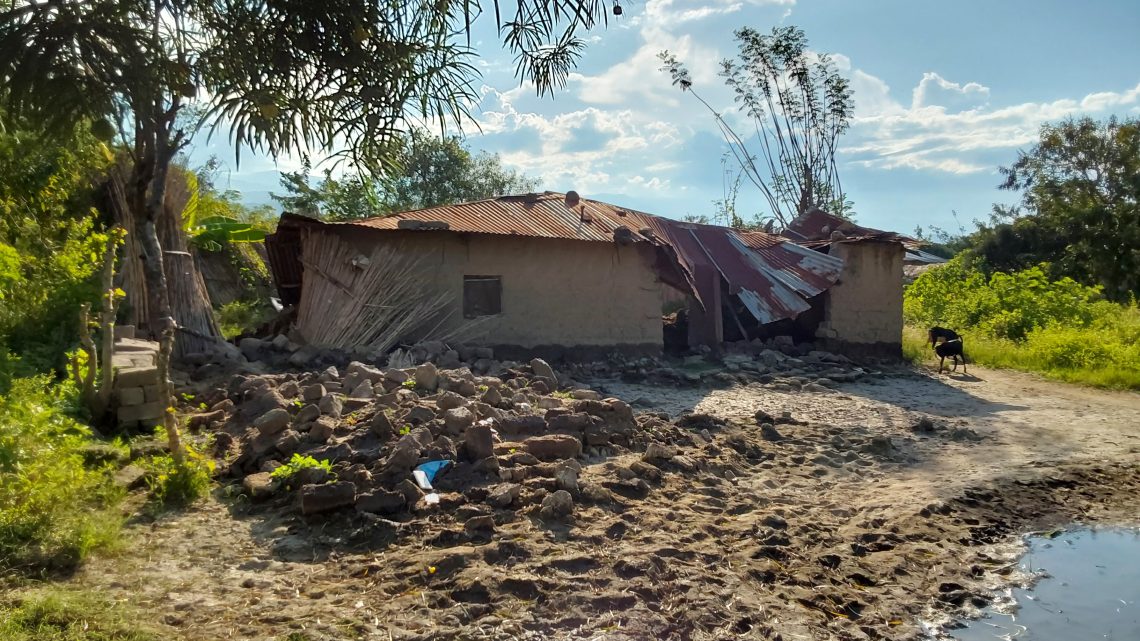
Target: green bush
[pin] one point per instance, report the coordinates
(1005, 306)
(1066, 348)
(58, 615)
(175, 485)
(1024, 321)
(54, 509)
(50, 245)
(240, 316)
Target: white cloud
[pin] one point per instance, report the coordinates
(641, 123)
(948, 136)
(590, 149)
(931, 81)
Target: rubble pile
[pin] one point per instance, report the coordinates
(779, 363)
(453, 430)
(422, 439)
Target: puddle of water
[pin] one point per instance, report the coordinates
(1090, 589)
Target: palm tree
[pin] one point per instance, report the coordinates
(340, 77)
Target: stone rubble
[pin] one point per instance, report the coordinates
(516, 435)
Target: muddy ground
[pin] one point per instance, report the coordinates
(855, 525)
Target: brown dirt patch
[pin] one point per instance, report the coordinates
(853, 526)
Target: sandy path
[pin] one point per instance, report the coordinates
(1026, 421)
(824, 534)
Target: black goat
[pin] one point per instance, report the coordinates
(952, 349)
(935, 333)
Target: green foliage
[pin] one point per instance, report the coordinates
(427, 171)
(178, 485)
(282, 77)
(240, 316)
(298, 463)
(1007, 306)
(1079, 209)
(50, 246)
(59, 615)
(1025, 321)
(54, 509)
(214, 219)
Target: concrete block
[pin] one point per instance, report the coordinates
(136, 377)
(141, 413)
(124, 331)
(135, 345)
(151, 393)
(131, 396)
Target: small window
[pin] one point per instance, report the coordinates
(482, 296)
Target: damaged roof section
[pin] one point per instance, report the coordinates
(773, 277)
(817, 227)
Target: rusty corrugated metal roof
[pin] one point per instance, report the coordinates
(815, 227)
(771, 275)
(804, 270)
(542, 215)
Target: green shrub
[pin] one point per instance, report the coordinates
(1024, 321)
(1068, 348)
(240, 316)
(298, 463)
(50, 244)
(178, 485)
(58, 615)
(53, 508)
(1005, 306)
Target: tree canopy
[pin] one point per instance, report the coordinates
(1079, 209)
(339, 77)
(799, 105)
(429, 171)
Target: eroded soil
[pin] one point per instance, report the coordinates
(853, 526)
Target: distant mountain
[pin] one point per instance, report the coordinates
(255, 186)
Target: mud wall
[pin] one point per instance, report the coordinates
(554, 292)
(865, 307)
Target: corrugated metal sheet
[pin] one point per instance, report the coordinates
(919, 257)
(542, 215)
(772, 283)
(817, 226)
(772, 276)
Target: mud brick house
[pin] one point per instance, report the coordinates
(553, 273)
(862, 312)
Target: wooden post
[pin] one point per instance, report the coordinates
(166, 394)
(102, 400)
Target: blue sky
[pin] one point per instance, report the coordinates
(945, 92)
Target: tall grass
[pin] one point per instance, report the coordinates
(1102, 355)
(57, 615)
(55, 508)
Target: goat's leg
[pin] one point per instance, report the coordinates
(941, 362)
(964, 362)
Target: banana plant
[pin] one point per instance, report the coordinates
(214, 231)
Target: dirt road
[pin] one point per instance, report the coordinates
(850, 525)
